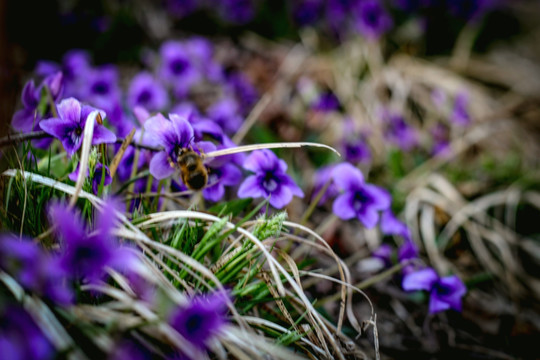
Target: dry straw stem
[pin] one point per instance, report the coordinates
(118, 157)
(492, 241)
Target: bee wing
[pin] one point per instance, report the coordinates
(246, 148)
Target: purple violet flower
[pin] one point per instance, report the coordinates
(147, 92)
(441, 139)
(384, 253)
(86, 254)
(400, 133)
(390, 225)
(27, 119)
(177, 68)
(225, 113)
(101, 87)
(460, 113)
(307, 12)
(356, 151)
(320, 178)
(181, 8)
(218, 178)
(445, 292)
(408, 250)
(359, 200)
(68, 127)
(174, 135)
(372, 20)
(245, 92)
(236, 11)
(326, 102)
(269, 180)
(201, 319)
(20, 337)
(34, 269)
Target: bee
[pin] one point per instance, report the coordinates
(194, 173)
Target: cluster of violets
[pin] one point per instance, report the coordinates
(444, 292)
(372, 18)
(84, 256)
(368, 18)
(370, 204)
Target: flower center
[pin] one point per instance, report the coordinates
(144, 97)
(372, 16)
(193, 323)
(269, 182)
(442, 289)
(178, 66)
(100, 88)
(360, 200)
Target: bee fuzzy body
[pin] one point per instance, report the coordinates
(194, 173)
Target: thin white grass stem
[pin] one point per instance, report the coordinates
(85, 153)
(281, 145)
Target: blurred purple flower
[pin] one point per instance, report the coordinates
(326, 102)
(69, 126)
(320, 178)
(174, 135)
(177, 68)
(86, 254)
(181, 8)
(408, 250)
(337, 11)
(96, 176)
(441, 139)
(371, 19)
(236, 11)
(245, 92)
(460, 113)
(201, 319)
(398, 132)
(126, 164)
(269, 180)
(20, 337)
(359, 200)
(470, 9)
(390, 225)
(147, 92)
(100, 87)
(445, 292)
(307, 12)
(218, 178)
(34, 269)
(384, 253)
(75, 67)
(225, 113)
(356, 151)
(27, 119)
